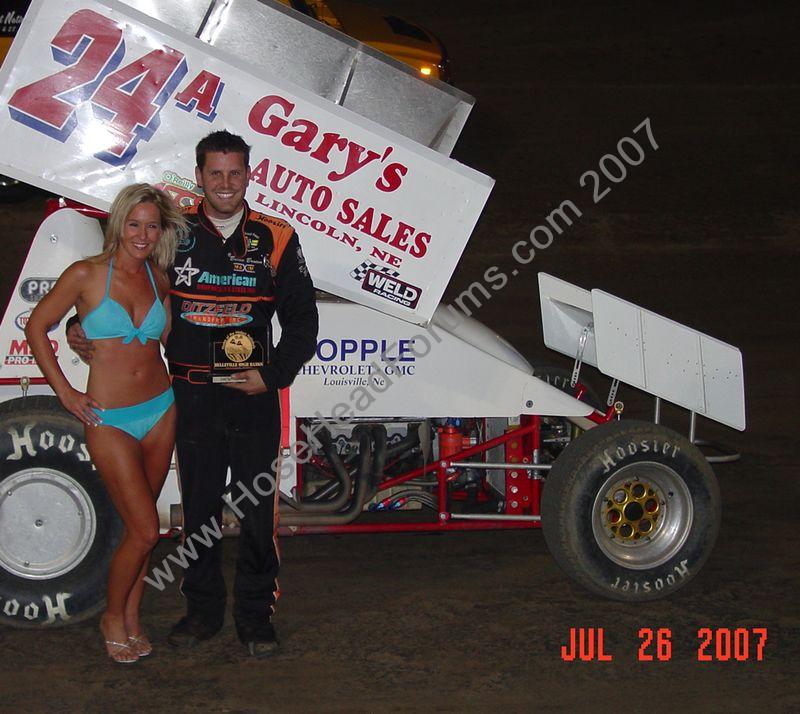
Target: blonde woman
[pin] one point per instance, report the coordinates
(122, 298)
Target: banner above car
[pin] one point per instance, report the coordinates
(96, 95)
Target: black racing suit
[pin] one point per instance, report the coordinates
(223, 296)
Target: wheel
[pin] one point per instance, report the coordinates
(557, 432)
(58, 527)
(631, 510)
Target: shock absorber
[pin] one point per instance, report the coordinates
(451, 438)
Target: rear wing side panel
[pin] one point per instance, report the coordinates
(646, 350)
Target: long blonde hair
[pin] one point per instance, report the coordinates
(173, 224)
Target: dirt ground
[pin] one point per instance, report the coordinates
(705, 231)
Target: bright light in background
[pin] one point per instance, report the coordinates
(426, 71)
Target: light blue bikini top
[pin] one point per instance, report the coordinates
(109, 319)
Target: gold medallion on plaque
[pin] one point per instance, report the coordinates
(238, 351)
(238, 346)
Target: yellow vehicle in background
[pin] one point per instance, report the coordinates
(392, 35)
(11, 14)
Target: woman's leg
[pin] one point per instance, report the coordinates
(119, 459)
(157, 448)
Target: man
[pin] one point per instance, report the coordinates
(235, 269)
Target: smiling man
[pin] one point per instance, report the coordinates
(223, 179)
(234, 271)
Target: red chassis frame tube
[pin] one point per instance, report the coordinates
(523, 442)
(14, 381)
(56, 204)
(432, 526)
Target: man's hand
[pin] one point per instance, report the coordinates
(251, 383)
(76, 339)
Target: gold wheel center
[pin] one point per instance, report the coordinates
(631, 511)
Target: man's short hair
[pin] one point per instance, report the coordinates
(223, 142)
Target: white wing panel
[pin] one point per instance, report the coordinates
(670, 360)
(723, 380)
(618, 331)
(566, 313)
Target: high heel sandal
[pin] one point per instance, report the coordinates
(121, 652)
(140, 645)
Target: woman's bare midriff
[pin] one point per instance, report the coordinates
(121, 375)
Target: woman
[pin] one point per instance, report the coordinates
(122, 298)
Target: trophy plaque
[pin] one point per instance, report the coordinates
(238, 351)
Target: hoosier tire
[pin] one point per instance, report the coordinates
(631, 510)
(58, 527)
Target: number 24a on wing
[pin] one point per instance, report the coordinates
(126, 100)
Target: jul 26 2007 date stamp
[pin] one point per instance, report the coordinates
(719, 644)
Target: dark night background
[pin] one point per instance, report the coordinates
(704, 231)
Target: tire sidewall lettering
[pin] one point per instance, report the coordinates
(606, 450)
(663, 581)
(50, 609)
(29, 439)
(38, 434)
(612, 459)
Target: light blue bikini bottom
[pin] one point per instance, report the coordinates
(138, 419)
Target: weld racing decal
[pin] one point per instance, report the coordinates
(390, 288)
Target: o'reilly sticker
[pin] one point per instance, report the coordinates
(391, 288)
(34, 289)
(21, 320)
